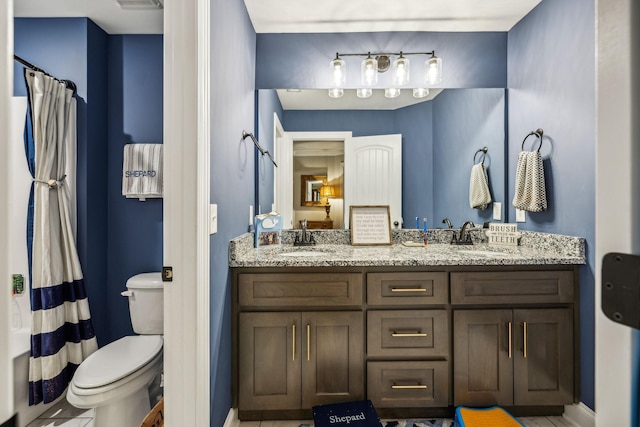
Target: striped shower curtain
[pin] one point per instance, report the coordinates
(62, 335)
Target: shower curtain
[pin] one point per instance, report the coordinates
(62, 335)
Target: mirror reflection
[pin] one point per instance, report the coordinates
(311, 185)
(440, 137)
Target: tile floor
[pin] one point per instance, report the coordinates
(65, 415)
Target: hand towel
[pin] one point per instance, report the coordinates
(530, 194)
(479, 194)
(142, 171)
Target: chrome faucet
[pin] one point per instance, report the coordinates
(304, 241)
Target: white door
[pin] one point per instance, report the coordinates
(373, 174)
(283, 187)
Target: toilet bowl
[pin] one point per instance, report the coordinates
(115, 379)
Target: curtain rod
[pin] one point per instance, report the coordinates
(68, 83)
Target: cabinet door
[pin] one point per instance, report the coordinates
(269, 361)
(332, 357)
(482, 348)
(543, 360)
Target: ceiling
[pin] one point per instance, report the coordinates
(311, 16)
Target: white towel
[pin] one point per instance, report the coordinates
(142, 171)
(530, 194)
(479, 194)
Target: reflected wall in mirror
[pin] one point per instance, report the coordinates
(310, 186)
(439, 140)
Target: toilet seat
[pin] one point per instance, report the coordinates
(117, 360)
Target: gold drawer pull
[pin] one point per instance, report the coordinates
(408, 290)
(293, 342)
(411, 334)
(409, 387)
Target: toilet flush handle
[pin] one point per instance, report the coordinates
(127, 293)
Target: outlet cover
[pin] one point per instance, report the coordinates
(497, 211)
(520, 215)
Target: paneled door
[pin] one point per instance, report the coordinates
(373, 174)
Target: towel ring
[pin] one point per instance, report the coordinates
(483, 150)
(538, 133)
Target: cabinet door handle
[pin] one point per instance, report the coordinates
(524, 346)
(408, 290)
(409, 387)
(308, 342)
(509, 340)
(293, 342)
(408, 334)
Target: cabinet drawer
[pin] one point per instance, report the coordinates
(417, 288)
(408, 333)
(300, 290)
(512, 287)
(408, 384)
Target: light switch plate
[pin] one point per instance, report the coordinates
(213, 219)
(520, 215)
(497, 211)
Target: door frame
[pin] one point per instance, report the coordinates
(186, 235)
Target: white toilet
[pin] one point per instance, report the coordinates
(115, 379)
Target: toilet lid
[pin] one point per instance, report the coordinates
(117, 360)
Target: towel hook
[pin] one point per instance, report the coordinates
(538, 133)
(483, 150)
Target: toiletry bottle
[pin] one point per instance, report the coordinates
(424, 231)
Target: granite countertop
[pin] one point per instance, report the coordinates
(333, 250)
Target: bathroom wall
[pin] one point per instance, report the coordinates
(232, 175)
(119, 81)
(551, 81)
(72, 48)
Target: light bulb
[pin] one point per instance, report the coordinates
(401, 71)
(433, 70)
(369, 71)
(392, 92)
(364, 92)
(336, 92)
(338, 70)
(420, 92)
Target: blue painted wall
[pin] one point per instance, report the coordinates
(301, 61)
(552, 86)
(465, 121)
(232, 176)
(73, 49)
(135, 116)
(119, 80)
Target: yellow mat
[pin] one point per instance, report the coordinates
(485, 417)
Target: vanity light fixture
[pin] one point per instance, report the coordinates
(379, 62)
(391, 92)
(336, 92)
(420, 92)
(364, 92)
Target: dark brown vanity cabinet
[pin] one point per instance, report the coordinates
(513, 357)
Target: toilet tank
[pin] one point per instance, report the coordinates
(146, 306)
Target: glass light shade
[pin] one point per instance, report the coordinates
(433, 70)
(336, 92)
(401, 71)
(420, 92)
(392, 92)
(364, 92)
(369, 72)
(338, 70)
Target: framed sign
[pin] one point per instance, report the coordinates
(370, 225)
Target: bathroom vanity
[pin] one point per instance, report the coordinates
(417, 330)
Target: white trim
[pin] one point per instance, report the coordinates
(580, 414)
(6, 90)
(185, 226)
(320, 136)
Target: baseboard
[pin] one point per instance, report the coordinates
(580, 414)
(232, 418)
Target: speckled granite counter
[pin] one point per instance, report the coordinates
(333, 249)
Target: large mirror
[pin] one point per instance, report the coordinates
(442, 138)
